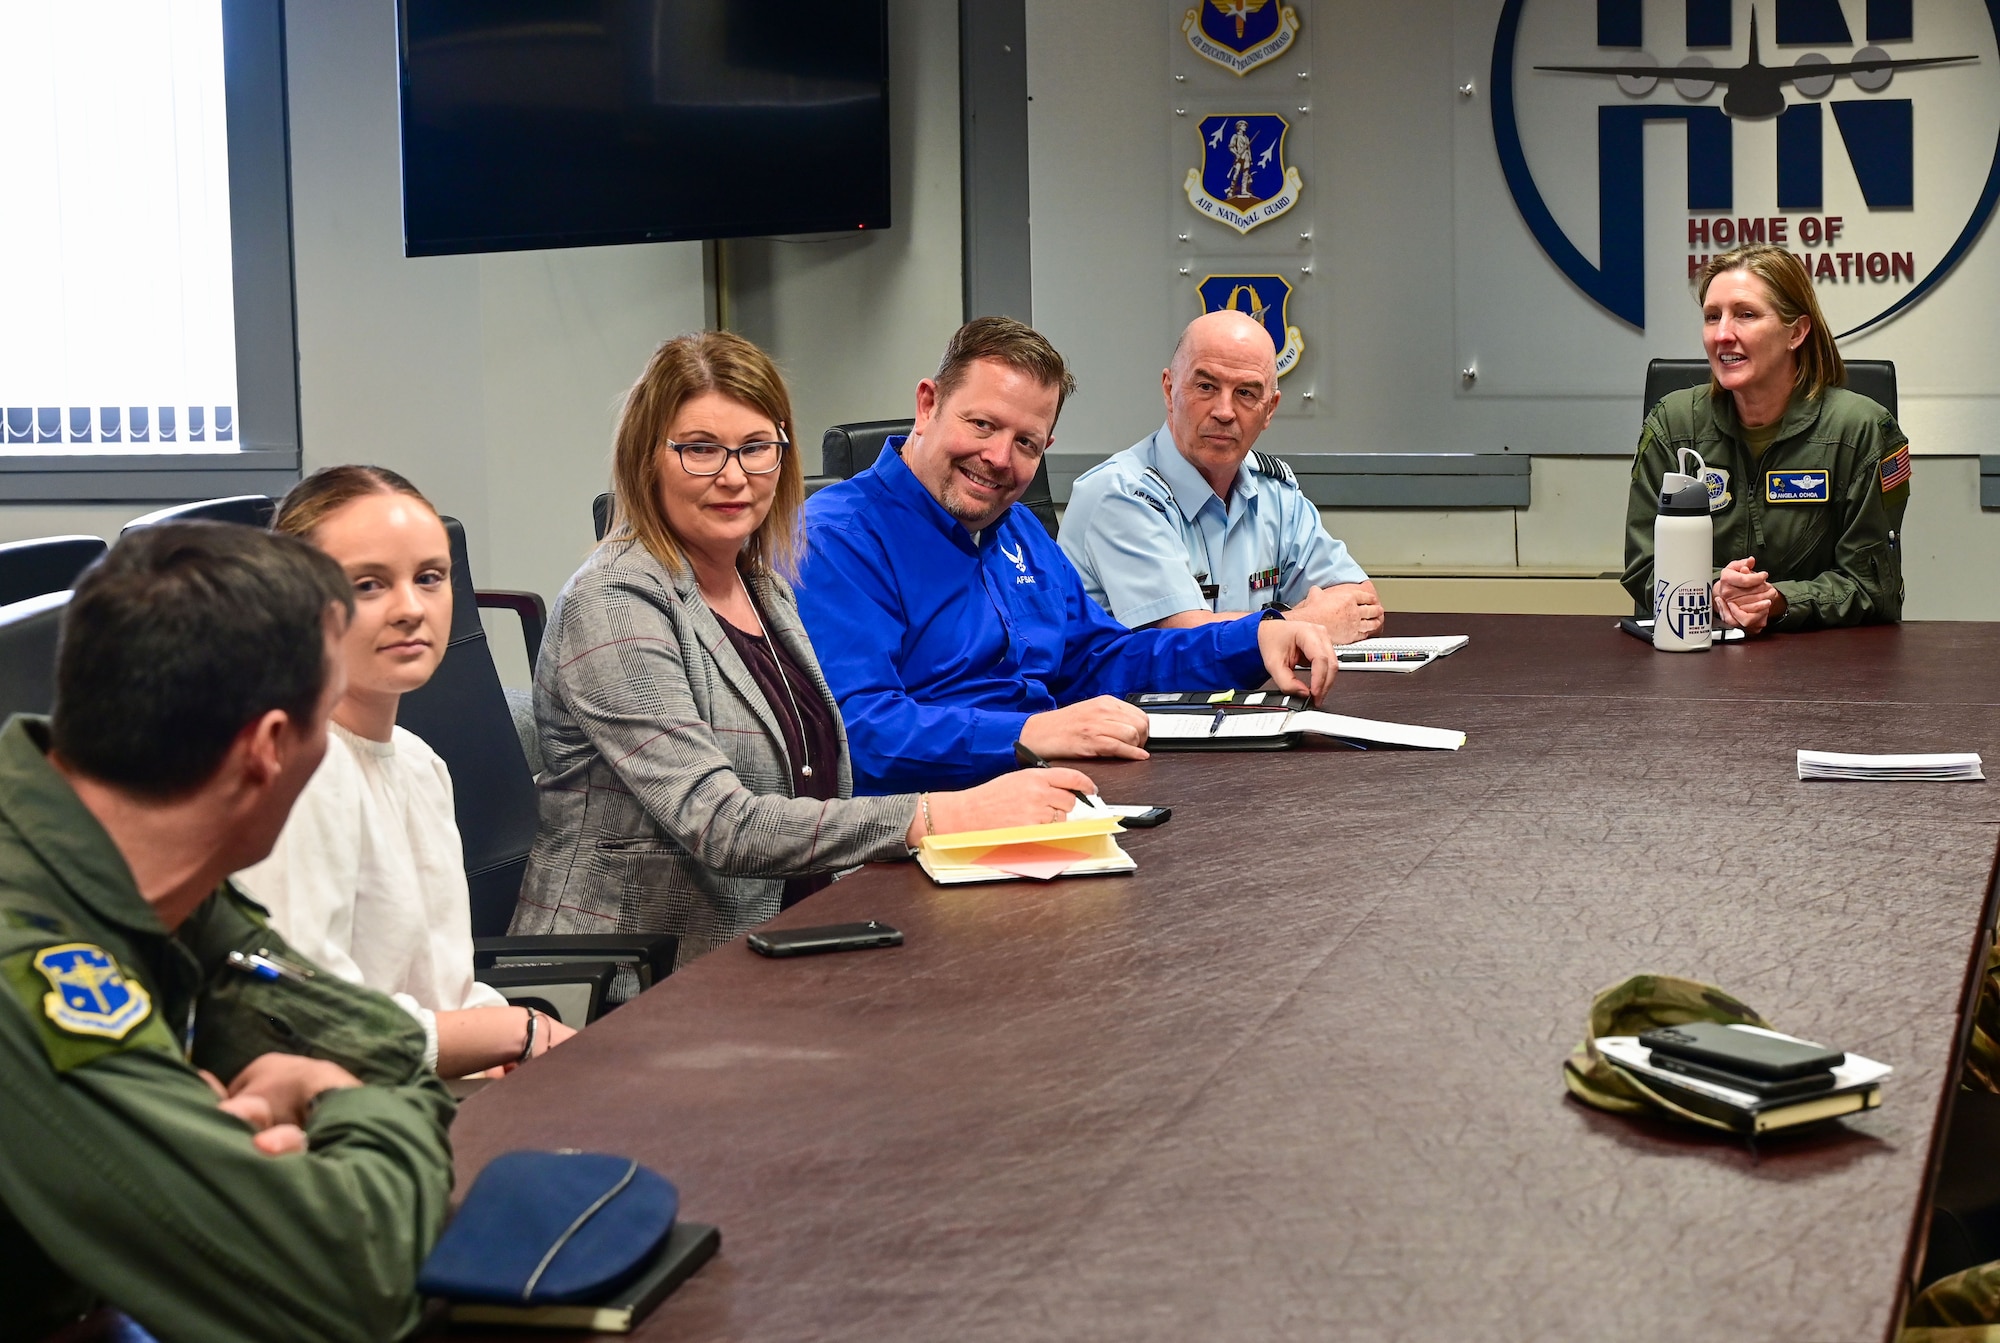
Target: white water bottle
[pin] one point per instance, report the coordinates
(1683, 558)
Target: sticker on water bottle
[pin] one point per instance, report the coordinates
(1683, 609)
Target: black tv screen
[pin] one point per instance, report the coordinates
(563, 123)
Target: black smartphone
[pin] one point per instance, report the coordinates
(833, 937)
(1742, 1052)
(1758, 1087)
(1148, 818)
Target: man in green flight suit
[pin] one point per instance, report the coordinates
(1807, 481)
(196, 1127)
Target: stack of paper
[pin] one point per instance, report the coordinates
(1041, 852)
(1222, 728)
(1951, 767)
(1397, 655)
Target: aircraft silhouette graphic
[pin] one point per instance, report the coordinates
(1756, 90)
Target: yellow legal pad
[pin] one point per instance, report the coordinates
(1026, 851)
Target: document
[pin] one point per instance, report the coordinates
(1396, 655)
(1264, 727)
(1950, 767)
(1074, 848)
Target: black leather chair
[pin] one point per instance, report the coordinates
(47, 564)
(1872, 378)
(849, 449)
(462, 714)
(28, 653)
(252, 510)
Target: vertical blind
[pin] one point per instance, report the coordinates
(117, 325)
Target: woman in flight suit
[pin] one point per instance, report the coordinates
(1807, 481)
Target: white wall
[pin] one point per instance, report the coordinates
(1401, 180)
(856, 321)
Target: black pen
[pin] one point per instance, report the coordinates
(1025, 757)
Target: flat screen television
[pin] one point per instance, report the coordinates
(566, 123)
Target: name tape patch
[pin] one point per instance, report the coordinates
(89, 994)
(1796, 487)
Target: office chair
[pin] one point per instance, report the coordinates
(849, 449)
(28, 653)
(252, 510)
(1872, 378)
(462, 713)
(48, 564)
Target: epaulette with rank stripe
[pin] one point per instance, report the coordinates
(1264, 464)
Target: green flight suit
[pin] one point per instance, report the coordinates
(120, 1180)
(1837, 558)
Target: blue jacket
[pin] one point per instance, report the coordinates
(938, 648)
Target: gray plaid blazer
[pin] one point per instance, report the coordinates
(666, 802)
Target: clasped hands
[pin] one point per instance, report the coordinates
(274, 1094)
(1108, 726)
(1744, 597)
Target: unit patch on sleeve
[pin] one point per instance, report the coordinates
(89, 994)
(1796, 487)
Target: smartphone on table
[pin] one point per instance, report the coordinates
(833, 937)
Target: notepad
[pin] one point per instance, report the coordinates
(1397, 655)
(1857, 1085)
(1077, 848)
(1182, 730)
(1950, 767)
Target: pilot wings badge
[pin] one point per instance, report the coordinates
(1263, 298)
(90, 994)
(1243, 180)
(1240, 35)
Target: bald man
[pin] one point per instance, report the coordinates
(1191, 526)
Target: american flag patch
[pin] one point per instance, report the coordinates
(1895, 468)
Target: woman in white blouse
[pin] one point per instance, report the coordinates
(368, 878)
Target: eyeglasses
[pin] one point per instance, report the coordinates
(708, 459)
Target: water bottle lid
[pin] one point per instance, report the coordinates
(1683, 496)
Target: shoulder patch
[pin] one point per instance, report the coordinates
(88, 994)
(1264, 464)
(1896, 468)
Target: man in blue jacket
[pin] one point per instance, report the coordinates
(949, 624)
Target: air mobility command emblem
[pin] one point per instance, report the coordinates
(1795, 487)
(1717, 481)
(1263, 298)
(1243, 180)
(88, 994)
(1240, 35)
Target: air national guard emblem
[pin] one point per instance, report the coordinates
(1264, 298)
(90, 995)
(1240, 35)
(1243, 180)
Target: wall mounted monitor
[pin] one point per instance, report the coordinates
(563, 123)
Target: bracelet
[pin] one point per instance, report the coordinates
(924, 801)
(528, 1049)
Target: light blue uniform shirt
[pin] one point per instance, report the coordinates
(1147, 534)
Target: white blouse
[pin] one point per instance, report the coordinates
(368, 878)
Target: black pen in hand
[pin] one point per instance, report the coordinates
(1025, 757)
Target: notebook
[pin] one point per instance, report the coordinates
(1857, 1085)
(1397, 655)
(1075, 848)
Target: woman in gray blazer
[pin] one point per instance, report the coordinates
(695, 776)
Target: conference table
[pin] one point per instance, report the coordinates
(1298, 1077)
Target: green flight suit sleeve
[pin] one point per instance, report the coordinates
(1642, 506)
(134, 1183)
(1864, 586)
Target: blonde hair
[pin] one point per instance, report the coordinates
(1790, 289)
(680, 370)
(331, 488)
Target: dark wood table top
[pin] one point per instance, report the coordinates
(1298, 1077)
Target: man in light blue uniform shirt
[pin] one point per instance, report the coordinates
(948, 624)
(1192, 525)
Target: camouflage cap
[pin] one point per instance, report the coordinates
(1639, 1004)
(1959, 1309)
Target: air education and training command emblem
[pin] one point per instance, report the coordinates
(1240, 35)
(1243, 180)
(1263, 298)
(89, 994)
